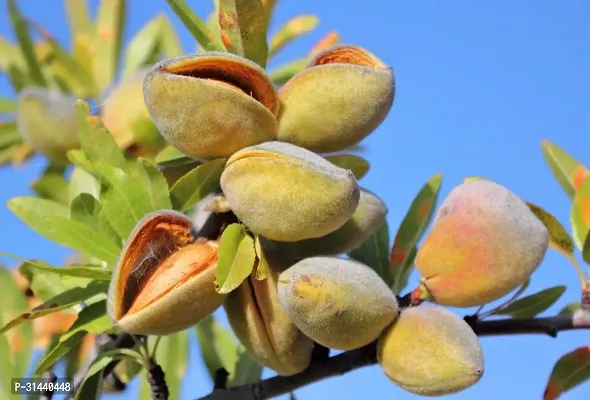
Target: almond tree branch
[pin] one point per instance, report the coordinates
(354, 359)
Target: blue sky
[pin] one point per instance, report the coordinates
(479, 84)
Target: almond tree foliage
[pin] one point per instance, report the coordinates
(153, 225)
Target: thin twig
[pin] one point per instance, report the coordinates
(354, 359)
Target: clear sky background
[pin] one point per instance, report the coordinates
(479, 84)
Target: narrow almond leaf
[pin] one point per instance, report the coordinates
(94, 272)
(414, 225)
(11, 55)
(374, 253)
(586, 250)
(571, 370)
(124, 200)
(580, 214)
(172, 355)
(171, 156)
(155, 183)
(21, 30)
(285, 72)
(358, 165)
(568, 171)
(97, 143)
(236, 258)
(44, 285)
(8, 134)
(218, 347)
(110, 23)
(291, 30)
(47, 218)
(332, 38)
(403, 273)
(243, 29)
(262, 268)
(82, 182)
(195, 25)
(570, 308)
(247, 370)
(62, 301)
(142, 45)
(92, 319)
(59, 351)
(79, 20)
(559, 239)
(19, 341)
(7, 105)
(19, 79)
(87, 210)
(196, 184)
(530, 306)
(170, 45)
(52, 185)
(78, 158)
(213, 23)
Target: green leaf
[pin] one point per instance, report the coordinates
(125, 200)
(171, 156)
(44, 285)
(51, 220)
(59, 351)
(142, 45)
(11, 55)
(78, 158)
(196, 184)
(374, 253)
(87, 210)
(292, 29)
(414, 225)
(110, 23)
(83, 271)
(580, 215)
(79, 20)
(218, 347)
(571, 370)
(172, 355)
(81, 78)
(155, 183)
(402, 275)
(559, 239)
(21, 30)
(285, 72)
(97, 143)
(262, 267)
(243, 25)
(92, 319)
(235, 260)
(247, 370)
(62, 301)
(91, 389)
(7, 106)
(82, 181)
(213, 22)
(530, 306)
(9, 134)
(195, 26)
(586, 250)
(570, 308)
(19, 341)
(52, 185)
(358, 165)
(568, 171)
(170, 45)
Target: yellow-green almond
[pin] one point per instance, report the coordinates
(342, 96)
(262, 326)
(287, 193)
(210, 105)
(125, 115)
(46, 121)
(340, 304)
(163, 282)
(430, 351)
(367, 218)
